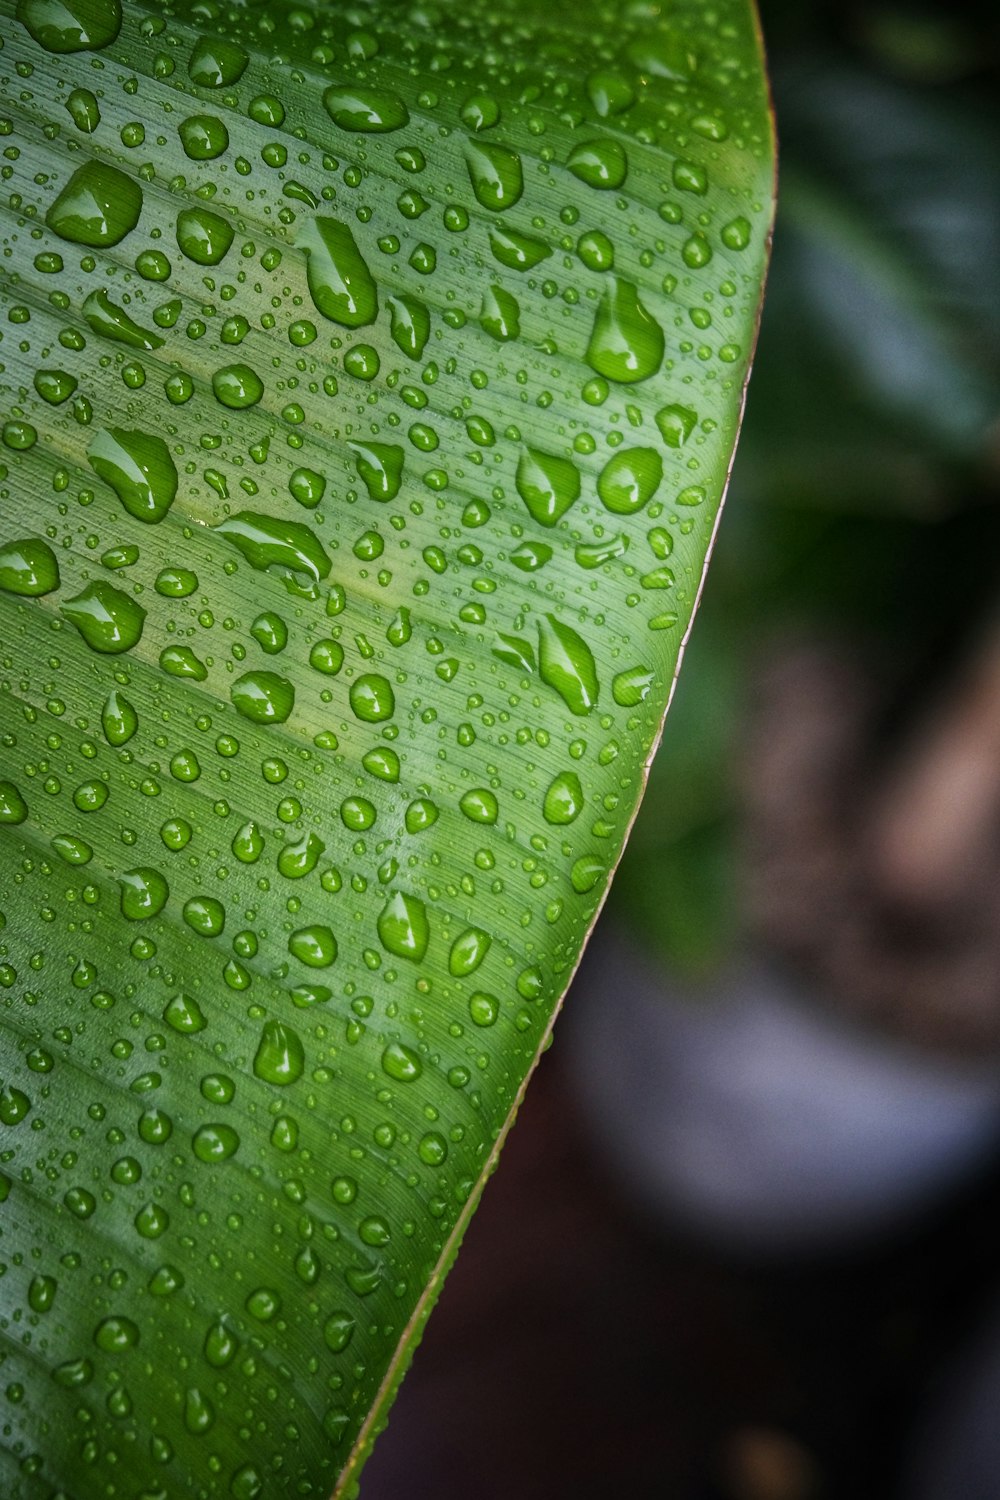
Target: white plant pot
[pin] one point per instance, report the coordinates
(758, 1120)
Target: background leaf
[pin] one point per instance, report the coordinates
(371, 380)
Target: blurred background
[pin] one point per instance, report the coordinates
(744, 1242)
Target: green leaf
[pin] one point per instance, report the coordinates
(369, 392)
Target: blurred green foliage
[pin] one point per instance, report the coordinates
(864, 498)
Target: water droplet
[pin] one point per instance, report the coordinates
(221, 1345)
(401, 1063)
(631, 687)
(28, 567)
(74, 850)
(566, 663)
(530, 556)
(409, 325)
(361, 107)
(600, 163)
(203, 137)
(609, 93)
(420, 815)
(403, 928)
(495, 173)
(380, 467)
(500, 315)
(480, 805)
(248, 844)
(596, 250)
(263, 697)
(596, 554)
(372, 698)
(382, 762)
(84, 110)
(480, 112)
(217, 62)
(71, 25)
(586, 872)
(517, 251)
(468, 951)
(109, 620)
(340, 283)
(199, 1413)
(202, 236)
(270, 541)
(307, 487)
(180, 661)
(119, 719)
(98, 206)
(315, 946)
(564, 799)
(280, 1058)
(547, 484)
(54, 386)
(626, 343)
(42, 1293)
(184, 1014)
(432, 1149)
(630, 479)
(144, 893)
(214, 1143)
(484, 1009)
(237, 386)
(205, 915)
(676, 424)
(139, 469)
(115, 1335)
(13, 808)
(175, 583)
(736, 234)
(338, 1330)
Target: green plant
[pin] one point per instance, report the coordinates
(371, 378)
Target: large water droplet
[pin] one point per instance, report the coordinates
(271, 541)
(401, 1063)
(216, 62)
(468, 951)
(566, 663)
(202, 236)
(630, 479)
(409, 324)
(564, 799)
(372, 698)
(403, 928)
(113, 322)
(315, 946)
(500, 315)
(71, 25)
(109, 620)
(263, 697)
(380, 466)
(280, 1057)
(99, 206)
(547, 484)
(626, 343)
(28, 567)
(600, 163)
(144, 893)
(139, 469)
(495, 173)
(215, 1142)
(362, 107)
(340, 283)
